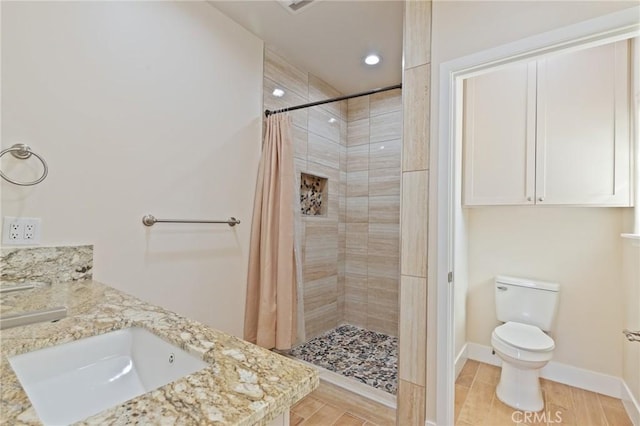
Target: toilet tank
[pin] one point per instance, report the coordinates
(526, 301)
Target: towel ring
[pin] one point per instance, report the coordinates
(23, 151)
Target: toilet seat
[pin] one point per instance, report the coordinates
(524, 336)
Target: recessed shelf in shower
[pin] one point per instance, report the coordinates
(313, 195)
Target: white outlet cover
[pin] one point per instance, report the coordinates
(21, 231)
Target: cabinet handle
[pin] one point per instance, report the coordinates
(528, 198)
(541, 199)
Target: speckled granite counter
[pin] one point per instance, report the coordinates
(243, 385)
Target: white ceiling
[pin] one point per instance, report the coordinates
(330, 38)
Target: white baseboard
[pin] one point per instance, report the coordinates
(482, 353)
(460, 360)
(558, 372)
(630, 404)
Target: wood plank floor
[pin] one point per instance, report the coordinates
(330, 405)
(476, 403)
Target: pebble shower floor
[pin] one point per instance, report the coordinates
(355, 352)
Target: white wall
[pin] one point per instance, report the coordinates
(579, 248)
(139, 107)
(462, 28)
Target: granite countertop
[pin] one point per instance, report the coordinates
(243, 385)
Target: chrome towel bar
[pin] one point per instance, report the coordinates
(632, 336)
(150, 220)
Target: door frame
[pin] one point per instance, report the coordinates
(605, 29)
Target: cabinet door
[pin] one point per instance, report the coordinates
(583, 127)
(499, 136)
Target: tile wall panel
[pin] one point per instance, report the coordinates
(413, 332)
(322, 319)
(355, 299)
(411, 404)
(357, 109)
(357, 235)
(319, 293)
(358, 132)
(357, 159)
(322, 170)
(321, 244)
(333, 196)
(383, 266)
(374, 151)
(384, 181)
(417, 33)
(356, 145)
(357, 209)
(298, 117)
(384, 209)
(414, 224)
(319, 149)
(355, 264)
(300, 141)
(358, 184)
(385, 127)
(320, 123)
(277, 69)
(412, 356)
(416, 110)
(319, 90)
(385, 155)
(383, 238)
(343, 161)
(385, 102)
(323, 151)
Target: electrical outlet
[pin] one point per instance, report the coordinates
(21, 231)
(15, 231)
(29, 230)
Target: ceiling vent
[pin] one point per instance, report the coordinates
(296, 6)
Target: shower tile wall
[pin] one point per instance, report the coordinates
(374, 127)
(320, 137)
(351, 254)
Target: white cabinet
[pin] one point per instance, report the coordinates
(552, 131)
(499, 136)
(281, 420)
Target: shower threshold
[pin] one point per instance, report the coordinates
(356, 353)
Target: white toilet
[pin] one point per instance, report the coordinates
(528, 309)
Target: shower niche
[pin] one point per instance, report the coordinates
(313, 195)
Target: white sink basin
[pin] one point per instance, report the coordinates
(72, 381)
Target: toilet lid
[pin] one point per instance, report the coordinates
(524, 336)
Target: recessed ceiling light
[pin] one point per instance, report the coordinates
(332, 120)
(372, 59)
(278, 93)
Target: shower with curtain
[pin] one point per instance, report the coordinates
(345, 214)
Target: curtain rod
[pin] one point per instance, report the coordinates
(326, 101)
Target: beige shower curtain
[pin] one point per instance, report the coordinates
(270, 310)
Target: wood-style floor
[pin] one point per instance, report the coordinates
(330, 405)
(477, 404)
